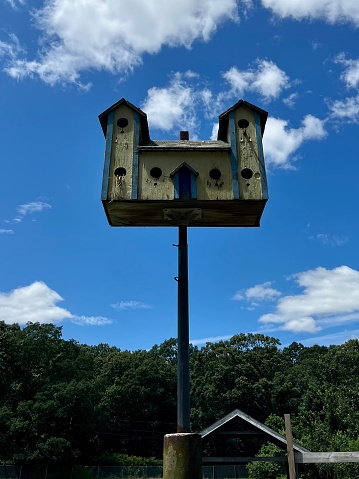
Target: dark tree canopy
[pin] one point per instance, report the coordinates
(65, 402)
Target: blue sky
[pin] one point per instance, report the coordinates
(63, 63)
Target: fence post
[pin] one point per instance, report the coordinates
(288, 433)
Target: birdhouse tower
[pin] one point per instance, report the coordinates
(204, 183)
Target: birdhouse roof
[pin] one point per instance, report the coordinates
(143, 118)
(184, 145)
(224, 118)
(184, 165)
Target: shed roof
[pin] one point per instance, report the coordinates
(224, 118)
(273, 436)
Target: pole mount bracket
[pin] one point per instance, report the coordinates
(182, 216)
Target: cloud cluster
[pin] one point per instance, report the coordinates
(29, 208)
(266, 78)
(330, 240)
(280, 141)
(38, 303)
(24, 210)
(347, 109)
(174, 105)
(100, 35)
(332, 11)
(131, 305)
(329, 298)
(258, 293)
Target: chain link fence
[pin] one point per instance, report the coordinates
(111, 472)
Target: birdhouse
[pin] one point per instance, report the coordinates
(201, 183)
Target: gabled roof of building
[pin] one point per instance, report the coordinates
(224, 118)
(143, 118)
(273, 436)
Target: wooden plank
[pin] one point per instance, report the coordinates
(234, 162)
(135, 163)
(261, 156)
(326, 457)
(245, 213)
(288, 433)
(239, 433)
(106, 168)
(240, 460)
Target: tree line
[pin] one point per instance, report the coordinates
(65, 402)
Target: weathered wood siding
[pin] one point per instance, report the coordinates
(122, 155)
(247, 155)
(203, 162)
(326, 457)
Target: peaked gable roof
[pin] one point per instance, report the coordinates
(143, 118)
(184, 165)
(273, 436)
(224, 118)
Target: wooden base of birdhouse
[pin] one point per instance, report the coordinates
(244, 213)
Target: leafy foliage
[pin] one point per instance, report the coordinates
(63, 402)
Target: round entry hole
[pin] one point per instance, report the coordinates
(156, 172)
(122, 122)
(243, 123)
(120, 171)
(215, 174)
(247, 173)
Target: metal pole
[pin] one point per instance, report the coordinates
(183, 401)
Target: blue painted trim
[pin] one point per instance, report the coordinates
(176, 186)
(193, 187)
(262, 168)
(234, 163)
(135, 163)
(106, 168)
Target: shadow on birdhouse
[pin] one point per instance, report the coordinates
(218, 183)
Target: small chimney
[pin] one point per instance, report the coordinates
(184, 135)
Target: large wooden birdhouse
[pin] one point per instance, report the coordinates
(201, 183)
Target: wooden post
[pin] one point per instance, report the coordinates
(290, 451)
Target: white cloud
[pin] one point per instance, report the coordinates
(90, 320)
(172, 106)
(35, 303)
(259, 292)
(329, 298)
(34, 207)
(102, 35)
(214, 133)
(330, 240)
(266, 79)
(38, 303)
(350, 76)
(12, 48)
(280, 142)
(338, 337)
(14, 3)
(345, 110)
(290, 100)
(9, 232)
(131, 305)
(332, 11)
(29, 208)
